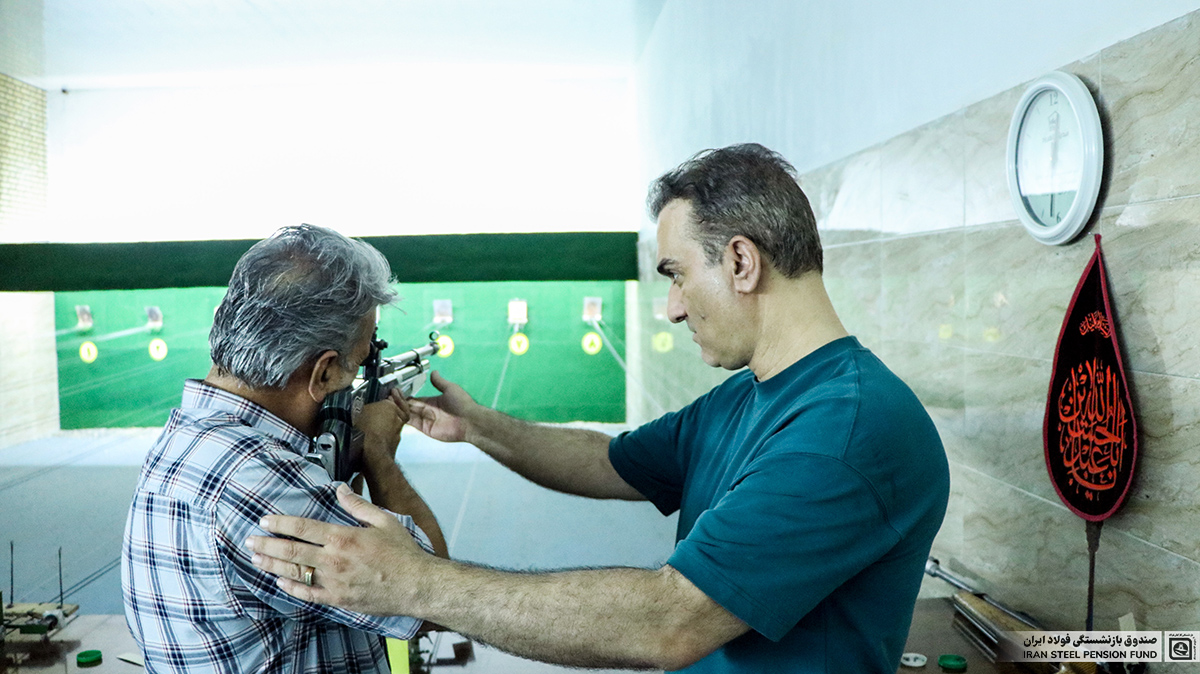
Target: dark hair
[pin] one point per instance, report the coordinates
(748, 190)
(299, 292)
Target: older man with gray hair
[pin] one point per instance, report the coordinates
(294, 326)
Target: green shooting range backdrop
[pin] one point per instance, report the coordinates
(554, 381)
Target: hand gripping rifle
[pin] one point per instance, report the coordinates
(339, 446)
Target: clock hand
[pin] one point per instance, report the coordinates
(1055, 125)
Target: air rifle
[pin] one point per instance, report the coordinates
(339, 445)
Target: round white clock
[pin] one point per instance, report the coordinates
(1055, 158)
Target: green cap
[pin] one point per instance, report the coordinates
(89, 658)
(952, 662)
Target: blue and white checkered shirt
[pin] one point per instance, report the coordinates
(193, 600)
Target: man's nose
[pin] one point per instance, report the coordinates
(675, 310)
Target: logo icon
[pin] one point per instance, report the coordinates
(1181, 648)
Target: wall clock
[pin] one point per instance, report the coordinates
(1055, 158)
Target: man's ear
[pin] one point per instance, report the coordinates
(323, 379)
(746, 263)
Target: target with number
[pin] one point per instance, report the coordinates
(663, 342)
(592, 343)
(518, 344)
(158, 349)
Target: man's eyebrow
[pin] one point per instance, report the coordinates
(664, 267)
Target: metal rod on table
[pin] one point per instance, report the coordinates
(934, 568)
(60, 583)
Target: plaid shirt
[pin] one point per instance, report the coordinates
(193, 600)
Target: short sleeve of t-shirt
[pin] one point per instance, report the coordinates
(649, 460)
(787, 534)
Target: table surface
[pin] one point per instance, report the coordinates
(931, 635)
(105, 633)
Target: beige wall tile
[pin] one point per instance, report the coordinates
(854, 282)
(923, 288)
(1011, 539)
(846, 198)
(1160, 588)
(985, 129)
(1033, 554)
(1005, 399)
(1163, 505)
(1017, 289)
(1149, 89)
(1152, 253)
(921, 178)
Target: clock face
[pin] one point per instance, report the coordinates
(1055, 158)
(1050, 157)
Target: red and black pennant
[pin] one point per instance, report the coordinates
(1090, 431)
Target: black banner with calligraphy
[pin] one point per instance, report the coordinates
(1090, 432)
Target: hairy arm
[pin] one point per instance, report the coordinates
(381, 424)
(635, 618)
(613, 617)
(569, 460)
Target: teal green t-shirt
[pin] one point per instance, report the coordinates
(807, 507)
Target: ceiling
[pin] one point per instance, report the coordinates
(96, 44)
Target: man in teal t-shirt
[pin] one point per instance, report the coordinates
(809, 487)
(807, 504)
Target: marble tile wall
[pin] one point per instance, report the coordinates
(28, 368)
(928, 265)
(28, 364)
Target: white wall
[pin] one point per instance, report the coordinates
(462, 148)
(416, 150)
(818, 81)
(21, 39)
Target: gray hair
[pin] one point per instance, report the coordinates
(294, 295)
(747, 190)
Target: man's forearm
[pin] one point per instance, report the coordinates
(629, 618)
(570, 460)
(390, 489)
